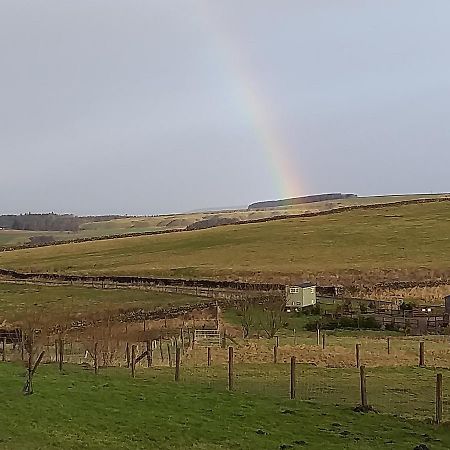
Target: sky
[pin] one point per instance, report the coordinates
(157, 106)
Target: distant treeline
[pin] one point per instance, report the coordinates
(48, 222)
(301, 200)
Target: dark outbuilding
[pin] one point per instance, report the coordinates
(447, 304)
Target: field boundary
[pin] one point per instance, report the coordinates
(198, 287)
(338, 291)
(338, 210)
(358, 383)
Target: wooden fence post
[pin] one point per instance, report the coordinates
(149, 353)
(324, 340)
(358, 355)
(96, 358)
(177, 364)
(230, 368)
(4, 349)
(389, 345)
(275, 354)
(277, 341)
(422, 354)
(293, 380)
(22, 347)
(133, 361)
(318, 335)
(56, 351)
(439, 398)
(61, 354)
(363, 388)
(209, 356)
(161, 350)
(169, 355)
(29, 386)
(182, 340)
(127, 355)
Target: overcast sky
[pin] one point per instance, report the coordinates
(142, 107)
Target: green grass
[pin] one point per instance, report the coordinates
(143, 224)
(411, 240)
(78, 410)
(21, 300)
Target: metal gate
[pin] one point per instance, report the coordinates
(207, 338)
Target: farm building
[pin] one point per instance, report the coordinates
(447, 304)
(300, 295)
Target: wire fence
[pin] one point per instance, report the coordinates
(406, 391)
(409, 393)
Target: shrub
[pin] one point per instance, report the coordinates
(313, 310)
(406, 306)
(363, 308)
(366, 323)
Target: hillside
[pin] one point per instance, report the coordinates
(98, 227)
(405, 242)
(63, 303)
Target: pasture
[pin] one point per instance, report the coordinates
(408, 242)
(146, 224)
(114, 410)
(77, 409)
(60, 304)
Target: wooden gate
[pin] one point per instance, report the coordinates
(207, 338)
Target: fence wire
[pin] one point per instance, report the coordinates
(404, 391)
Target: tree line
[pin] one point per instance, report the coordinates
(49, 221)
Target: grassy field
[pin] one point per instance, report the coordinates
(76, 409)
(372, 245)
(127, 225)
(18, 301)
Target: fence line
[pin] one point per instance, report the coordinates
(411, 392)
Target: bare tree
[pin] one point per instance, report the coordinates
(272, 319)
(30, 344)
(247, 316)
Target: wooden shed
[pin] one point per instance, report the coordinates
(300, 295)
(447, 304)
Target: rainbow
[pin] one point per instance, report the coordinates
(279, 154)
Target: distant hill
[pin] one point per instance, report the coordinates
(46, 229)
(300, 200)
(364, 246)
